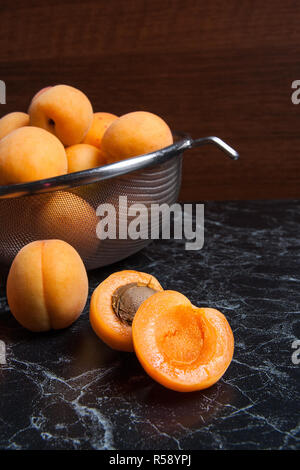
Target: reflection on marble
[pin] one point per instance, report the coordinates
(67, 390)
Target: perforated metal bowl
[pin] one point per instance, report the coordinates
(65, 207)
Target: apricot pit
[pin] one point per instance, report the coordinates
(127, 299)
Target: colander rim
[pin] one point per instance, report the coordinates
(101, 173)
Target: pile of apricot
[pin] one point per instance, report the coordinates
(183, 347)
(61, 134)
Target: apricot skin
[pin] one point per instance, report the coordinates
(64, 111)
(82, 157)
(12, 121)
(47, 285)
(135, 134)
(29, 154)
(40, 92)
(61, 216)
(100, 124)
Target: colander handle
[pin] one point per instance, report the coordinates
(94, 175)
(218, 142)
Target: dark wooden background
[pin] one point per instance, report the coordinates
(207, 67)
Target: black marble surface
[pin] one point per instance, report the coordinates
(67, 390)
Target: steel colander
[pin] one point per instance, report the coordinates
(65, 207)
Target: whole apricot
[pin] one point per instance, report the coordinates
(135, 134)
(100, 124)
(29, 154)
(12, 121)
(64, 111)
(47, 285)
(69, 217)
(82, 157)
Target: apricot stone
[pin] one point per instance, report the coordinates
(47, 285)
(12, 121)
(83, 156)
(64, 111)
(135, 134)
(100, 124)
(29, 154)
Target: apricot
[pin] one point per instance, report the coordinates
(29, 154)
(114, 303)
(64, 111)
(47, 285)
(182, 347)
(40, 92)
(135, 134)
(69, 217)
(100, 124)
(83, 156)
(12, 121)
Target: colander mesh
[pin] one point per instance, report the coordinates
(70, 215)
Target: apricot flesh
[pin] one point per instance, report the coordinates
(82, 157)
(29, 154)
(64, 111)
(135, 134)
(101, 122)
(182, 347)
(47, 285)
(12, 121)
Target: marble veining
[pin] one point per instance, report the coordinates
(67, 390)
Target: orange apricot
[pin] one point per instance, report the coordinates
(61, 216)
(47, 285)
(82, 157)
(12, 121)
(64, 111)
(114, 303)
(100, 124)
(135, 134)
(29, 154)
(182, 347)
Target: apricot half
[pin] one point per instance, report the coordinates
(29, 154)
(101, 122)
(135, 134)
(182, 347)
(47, 285)
(114, 303)
(12, 121)
(64, 111)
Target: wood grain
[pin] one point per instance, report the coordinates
(208, 68)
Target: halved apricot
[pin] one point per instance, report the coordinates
(114, 303)
(182, 347)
